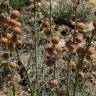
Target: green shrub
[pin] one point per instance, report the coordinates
(64, 8)
(17, 3)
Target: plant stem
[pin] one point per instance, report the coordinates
(88, 45)
(67, 80)
(13, 89)
(35, 29)
(50, 15)
(54, 70)
(75, 27)
(81, 60)
(81, 90)
(75, 85)
(26, 73)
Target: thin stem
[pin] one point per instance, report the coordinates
(51, 32)
(31, 91)
(13, 89)
(54, 70)
(75, 27)
(68, 70)
(54, 64)
(81, 60)
(81, 90)
(75, 85)
(88, 45)
(50, 16)
(67, 94)
(35, 29)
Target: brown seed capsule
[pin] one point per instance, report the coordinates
(50, 62)
(9, 36)
(5, 56)
(17, 30)
(5, 40)
(49, 48)
(94, 23)
(70, 45)
(80, 67)
(45, 23)
(90, 51)
(58, 49)
(62, 93)
(79, 39)
(80, 25)
(2, 19)
(53, 83)
(47, 31)
(9, 77)
(15, 13)
(80, 75)
(19, 42)
(72, 65)
(13, 65)
(13, 22)
(30, 42)
(80, 51)
(89, 57)
(55, 39)
(12, 46)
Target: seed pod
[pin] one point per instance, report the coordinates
(13, 65)
(94, 23)
(80, 75)
(58, 49)
(49, 48)
(9, 77)
(5, 40)
(90, 51)
(72, 65)
(50, 62)
(47, 31)
(30, 42)
(15, 13)
(17, 30)
(55, 39)
(89, 57)
(80, 67)
(9, 36)
(45, 23)
(80, 25)
(12, 46)
(19, 42)
(5, 56)
(70, 45)
(79, 39)
(53, 83)
(62, 93)
(80, 51)
(13, 22)
(2, 19)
